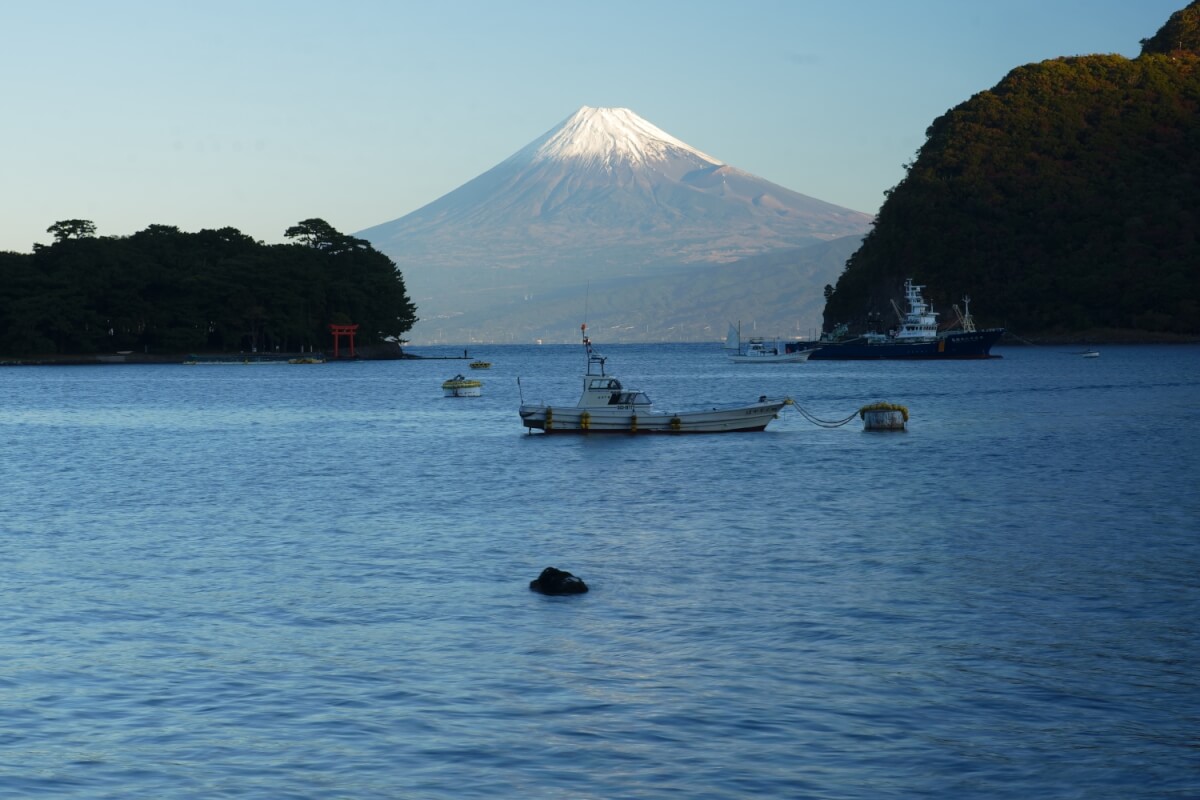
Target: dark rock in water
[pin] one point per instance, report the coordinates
(557, 581)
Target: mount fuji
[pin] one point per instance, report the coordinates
(657, 239)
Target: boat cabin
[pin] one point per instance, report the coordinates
(606, 390)
(758, 347)
(920, 322)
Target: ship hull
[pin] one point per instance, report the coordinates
(975, 344)
(572, 419)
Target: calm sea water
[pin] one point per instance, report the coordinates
(311, 582)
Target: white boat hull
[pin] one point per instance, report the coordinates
(573, 419)
(470, 391)
(781, 358)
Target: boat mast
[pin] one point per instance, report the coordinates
(592, 356)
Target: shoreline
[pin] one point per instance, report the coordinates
(394, 353)
(366, 353)
(1097, 337)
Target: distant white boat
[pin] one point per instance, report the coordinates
(758, 351)
(1090, 354)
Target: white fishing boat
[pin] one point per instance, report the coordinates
(458, 386)
(606, 406)
(758, 351)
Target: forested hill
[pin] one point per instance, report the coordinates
(1065, 200)
(165, 291)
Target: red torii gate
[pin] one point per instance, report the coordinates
(338, 332)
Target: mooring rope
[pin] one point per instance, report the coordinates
(1035, 344)
(824, 423)
(1022, 340)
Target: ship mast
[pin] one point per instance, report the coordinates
(967, 323)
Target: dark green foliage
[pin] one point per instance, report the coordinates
(72, 229)
(1067, 198)
(1182, 32)
(165, 291)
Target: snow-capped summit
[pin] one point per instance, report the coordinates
(604, 197)
(605, 135)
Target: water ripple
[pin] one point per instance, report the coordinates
(313, 583)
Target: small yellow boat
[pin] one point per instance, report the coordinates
(458, 386)
(481, 365)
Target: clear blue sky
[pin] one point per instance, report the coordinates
(257, 115)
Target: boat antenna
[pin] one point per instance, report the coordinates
(587, 345)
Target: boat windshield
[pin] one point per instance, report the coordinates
(628, 399)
